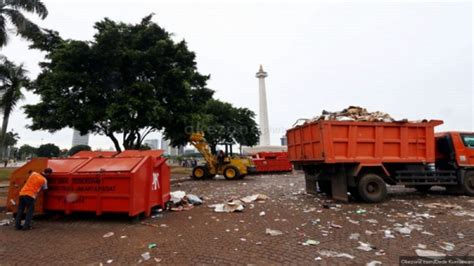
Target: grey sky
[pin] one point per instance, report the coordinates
(412, 60)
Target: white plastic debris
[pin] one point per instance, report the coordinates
(272, 232)
(262, 213)
(372, 221)
(177, 196)
(388, 234)
(109, 261)
(109, 234)
(427, 233)
(230, 206)
(447, 246)
(403, 230)
(364, 246)
(421, 246)
(374, 263)
(193, 199)
(354, 236)
(334, 254)
(429, 253)
(146, 255)
(310, 242)
(255, 197)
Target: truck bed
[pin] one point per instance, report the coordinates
(328, 141)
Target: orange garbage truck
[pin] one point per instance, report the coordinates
(363, 157)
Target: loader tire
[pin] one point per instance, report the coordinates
(231, 173)
(372, 188)
(199, 173)
(468, 184)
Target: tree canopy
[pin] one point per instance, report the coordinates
(48, 150)
(12, 10)
(128, 81)
(78, 148)
(27, 151)
(225, 123)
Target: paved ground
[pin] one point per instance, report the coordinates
(200, 236)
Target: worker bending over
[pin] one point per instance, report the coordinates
(28, 194)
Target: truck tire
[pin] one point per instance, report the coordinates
(199, 173)
(468, 184)
(372, 188)
(231, 173)
(325, 187)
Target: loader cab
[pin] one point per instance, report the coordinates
(454, 150)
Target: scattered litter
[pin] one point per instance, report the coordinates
(368, 232)
(354, 236)
(443, 206)
(109, 234)
(380, 253)
(271, 232)
(429, 253)
(374, 263)
(5, 222)
(229, 206)
(447, 246)
(262, 213)
(315, 222)
(177, 196)
(243, 239)
(460, 235)
(146, 255)
(427, 233)
(256, 197)
(318, 259)
(388, 234)
(331, 206)
(311, 242)
(372, 221)
(193, 199)
(365, 246)
(421, 246)
(151, 245)
(336, 226)
(353, 222)
(361, 211)
(123, 237)
(109, 261)
(403, 230)
(334, 254)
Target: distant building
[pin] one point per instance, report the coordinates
(165, 145)
(78, 139)
(152, 143)
(284, 141)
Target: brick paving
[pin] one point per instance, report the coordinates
(200, 236)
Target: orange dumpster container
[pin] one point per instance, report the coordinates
(131, 182)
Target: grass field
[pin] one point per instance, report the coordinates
(5, 173)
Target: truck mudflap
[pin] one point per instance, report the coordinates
(339, 186)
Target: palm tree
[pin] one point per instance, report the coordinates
(12, 79)
(12, 11)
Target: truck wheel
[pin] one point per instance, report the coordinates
(468, 184)
(199, 172)
(231, 173)
(325, 187)
(372, 188)
(423, 189)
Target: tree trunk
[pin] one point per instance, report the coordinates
(115, 141)
(6, 116)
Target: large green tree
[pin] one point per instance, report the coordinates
(48, 150)
(13, 11)
(227, 124)
(78, 148)
(13, 79)
(27, 151)
(128, 81)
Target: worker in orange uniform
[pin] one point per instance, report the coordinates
(35, 183)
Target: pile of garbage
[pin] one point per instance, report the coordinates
(180, 201)
(237, 205)
(356, 113)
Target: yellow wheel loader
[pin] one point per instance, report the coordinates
(234, 167)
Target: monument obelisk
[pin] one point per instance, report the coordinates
(263, 110)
